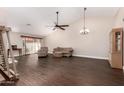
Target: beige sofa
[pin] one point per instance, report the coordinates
(60, 52)
(43, 52)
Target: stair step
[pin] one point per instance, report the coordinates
(10, 76)
(1, 78)
(6, 74)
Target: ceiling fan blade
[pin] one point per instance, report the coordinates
(64, 25)
(61, 28)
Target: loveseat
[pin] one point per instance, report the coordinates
(60, 52)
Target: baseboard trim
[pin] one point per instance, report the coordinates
(105, 58)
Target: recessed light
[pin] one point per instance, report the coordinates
(28, 24)
(123, 19)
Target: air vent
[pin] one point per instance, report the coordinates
(28, 24)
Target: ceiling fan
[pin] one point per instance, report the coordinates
(57, 26)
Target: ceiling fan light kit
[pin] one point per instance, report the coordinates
(85, 30)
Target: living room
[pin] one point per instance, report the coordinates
(69, 52)
(61, 38)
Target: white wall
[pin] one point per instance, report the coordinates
(95, 44)
(119, 18)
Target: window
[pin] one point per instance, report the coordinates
(31, 44)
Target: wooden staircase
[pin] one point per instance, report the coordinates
(8, 73)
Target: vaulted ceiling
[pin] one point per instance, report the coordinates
(41, 17)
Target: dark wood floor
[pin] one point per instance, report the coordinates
(67, 71)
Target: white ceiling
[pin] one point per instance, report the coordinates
(41, 17)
